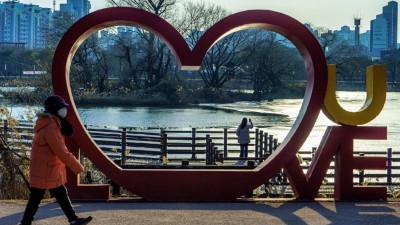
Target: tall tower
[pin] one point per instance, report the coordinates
(54, 5)
(357, 22)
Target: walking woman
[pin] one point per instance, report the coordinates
(48, 159)
(243, 134)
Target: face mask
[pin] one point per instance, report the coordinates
(62, 112)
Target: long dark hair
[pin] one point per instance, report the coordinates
(244, 123)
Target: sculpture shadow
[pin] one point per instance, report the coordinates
(290, 213)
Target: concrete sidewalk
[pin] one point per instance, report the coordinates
(227, 213)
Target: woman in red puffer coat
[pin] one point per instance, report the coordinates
(49, 156)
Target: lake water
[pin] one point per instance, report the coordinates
(277, 117)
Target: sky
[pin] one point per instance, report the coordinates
(330, 14)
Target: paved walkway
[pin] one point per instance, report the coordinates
(252, 213)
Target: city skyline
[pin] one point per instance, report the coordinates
(320, 13)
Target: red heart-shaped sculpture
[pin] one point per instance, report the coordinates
(189, 184)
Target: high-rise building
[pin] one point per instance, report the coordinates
(365, 39)
(390, 13)
(379, 35)
(27, 24)
(346, 34)
(77, 8)
(354, 37)
(384, 30)
(23, 24)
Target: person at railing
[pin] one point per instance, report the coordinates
(243, 134)
(49, 156)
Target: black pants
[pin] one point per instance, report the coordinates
(36, 196)
(244, 150)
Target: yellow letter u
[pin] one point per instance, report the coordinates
(376, 97)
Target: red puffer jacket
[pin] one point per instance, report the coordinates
(49, 155)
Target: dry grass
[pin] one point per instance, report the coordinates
(14, 160)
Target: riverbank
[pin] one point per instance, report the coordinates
(172, 97)
(184, 97)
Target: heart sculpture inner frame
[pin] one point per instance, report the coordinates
(192, 184)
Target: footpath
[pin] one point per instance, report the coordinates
(257, 212)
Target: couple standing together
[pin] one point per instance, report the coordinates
(243, 134)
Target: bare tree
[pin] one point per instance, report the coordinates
(225, 58)
(101, 69)
(127, 51)
(158, 57)
(348, 59)
(162, 8)
(273, 61)
(59, 25)
(82, 66)
(197, 17)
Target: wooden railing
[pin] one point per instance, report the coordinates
(193, 145)
(367, 177)
(178, 145)
(206, 147)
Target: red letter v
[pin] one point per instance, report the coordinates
(307, 186)
(338, 142)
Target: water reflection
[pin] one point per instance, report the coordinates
(203, 116)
